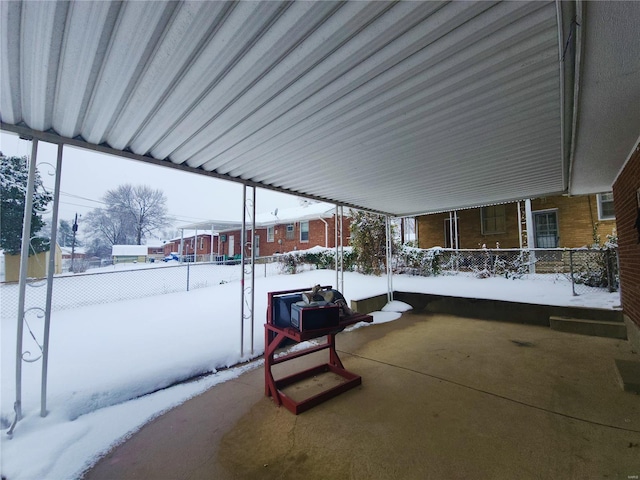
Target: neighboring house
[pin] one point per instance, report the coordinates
(129, 253)
(282, 231)
(199, 242)
(155, 251)
(558, 221)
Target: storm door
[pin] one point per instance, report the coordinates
(546, 224)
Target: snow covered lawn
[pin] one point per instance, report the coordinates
(105, 360)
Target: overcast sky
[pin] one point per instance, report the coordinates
(87, 175)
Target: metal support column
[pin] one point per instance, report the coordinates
(22, 282)
(181, 252)
(211, 246)
(455, 229)
(531, 242)
(247, 264)
(520, 224)
(50, 271)
(388, 252)
(341, 282)
(337, 262)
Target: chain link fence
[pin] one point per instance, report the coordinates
(126, 282)
(582, 267)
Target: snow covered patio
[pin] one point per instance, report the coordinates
(442, 397)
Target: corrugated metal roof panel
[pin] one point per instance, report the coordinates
(399, 107)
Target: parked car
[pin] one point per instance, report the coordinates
(171, 256)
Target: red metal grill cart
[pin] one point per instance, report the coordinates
(276, 332)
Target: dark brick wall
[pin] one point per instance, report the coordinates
(626, 204)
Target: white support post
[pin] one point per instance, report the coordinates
(195, 246)
(242, 242)
(455, 229)
(181, 252)
(531, 242)
(253, 261)
(211, 246)
(388, 252)
(50, 271)
(341, 283)
(22, 281)
(247, 268)
(336, 244)
(520, 224)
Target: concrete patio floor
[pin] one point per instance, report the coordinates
(442, 397)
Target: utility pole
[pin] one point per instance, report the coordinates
(73, 242)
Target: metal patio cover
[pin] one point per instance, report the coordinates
(401, 108)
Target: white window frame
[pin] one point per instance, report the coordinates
(484, 230)
(604, 197)
(271, 234)
(302, 230)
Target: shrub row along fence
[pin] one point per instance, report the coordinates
(583, 267)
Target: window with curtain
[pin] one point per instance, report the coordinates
(493, 219)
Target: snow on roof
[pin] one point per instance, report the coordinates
(154, 243)
(138, 250)
(187, 233)
(308, 211)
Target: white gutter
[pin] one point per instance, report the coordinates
(326, 232)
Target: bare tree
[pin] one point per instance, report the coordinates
(110, 226)
(130, 214)
(142, 206)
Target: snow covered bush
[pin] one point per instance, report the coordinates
(369, 242)
(316, 257)
(417, 261)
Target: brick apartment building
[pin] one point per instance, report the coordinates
(298, 228)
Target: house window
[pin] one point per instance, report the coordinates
(201, 243)
(290, 232)
(605, 206)
(493, 219)
(304, 231)
(270, 235)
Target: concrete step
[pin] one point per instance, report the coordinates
(628, 374)
(596, 328)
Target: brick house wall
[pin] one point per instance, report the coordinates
(625, 197)
(576, 218)
(203, 245)
(281, 243)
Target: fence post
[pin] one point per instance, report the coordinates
(187, 276)
(610, 275)
(573, 284)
